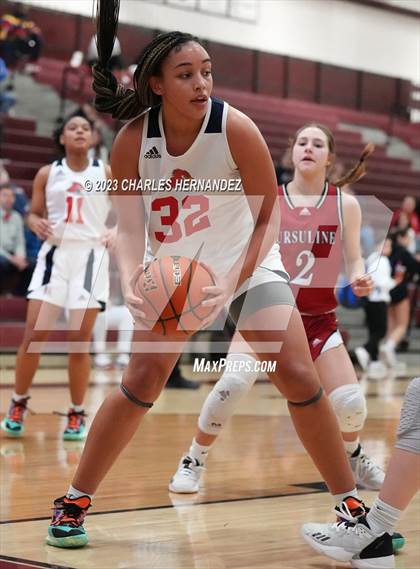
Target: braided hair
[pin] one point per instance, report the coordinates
(111, 96)
(357, 171)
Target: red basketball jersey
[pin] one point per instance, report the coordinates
(311, 248)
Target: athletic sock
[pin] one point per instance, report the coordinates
(199, 452)
(73, 493)
(77, 408)
(390, 344)
(353, 447)
(383, 517)
(340, 497)
(17, 397)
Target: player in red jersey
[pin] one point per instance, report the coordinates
(319, 226)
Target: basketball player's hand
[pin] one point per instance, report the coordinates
(42, 228)
(219, 294)
(19, 262)
(133, 301)
(362, 286)
(109, 239)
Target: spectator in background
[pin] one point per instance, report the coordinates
(403, 224)
(404, 269)
(15, 271)
(23, 206)
(7, 100)
(4, 174)
(408, 207)
(20, 39)
(376, 309)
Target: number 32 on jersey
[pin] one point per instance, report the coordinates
(169, 208)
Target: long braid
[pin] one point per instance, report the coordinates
(111, 96)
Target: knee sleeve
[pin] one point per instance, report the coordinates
(408, 433)
(236, 381)
(349, 405)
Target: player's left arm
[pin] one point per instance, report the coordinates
(361, 283)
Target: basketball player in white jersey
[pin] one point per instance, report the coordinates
(69, 210)
(190, 135)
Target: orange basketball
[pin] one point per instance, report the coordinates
(171, 289)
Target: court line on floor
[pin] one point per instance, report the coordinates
(316, 488)
(19, 563)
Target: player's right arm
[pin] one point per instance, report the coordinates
(130, 244)
(37, 220)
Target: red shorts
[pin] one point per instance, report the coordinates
(319, 328)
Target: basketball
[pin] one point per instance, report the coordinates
(172, 291)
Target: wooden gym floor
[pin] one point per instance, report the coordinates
(259, 487)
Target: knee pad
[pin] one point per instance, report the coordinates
(236, 381)
(408, 433)
(349, 404)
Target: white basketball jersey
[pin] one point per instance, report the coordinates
(77, 214)
(195, 204)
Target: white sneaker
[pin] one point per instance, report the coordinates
(366, 473)
(387, 355)
(363, 357)
(345, 541)
(400, 369)
(377, 371)
(186, 479)
(103, 361)
(122, 360)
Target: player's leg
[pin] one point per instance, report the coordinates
(339, 380)
(40, 319)
(142, 382)
(368, 544)
(100, 329)
(237, 379)
(400, 320)
(81, 323)
(297, 379)
(124, 324)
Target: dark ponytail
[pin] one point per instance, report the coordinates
(111, 96)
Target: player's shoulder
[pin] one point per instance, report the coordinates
(127, 143)
(44, 171)
(238, 121)
(243, 134)
(349, 202)
(130, 133)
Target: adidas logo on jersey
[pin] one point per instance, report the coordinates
(152, 153)
(304, 211)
